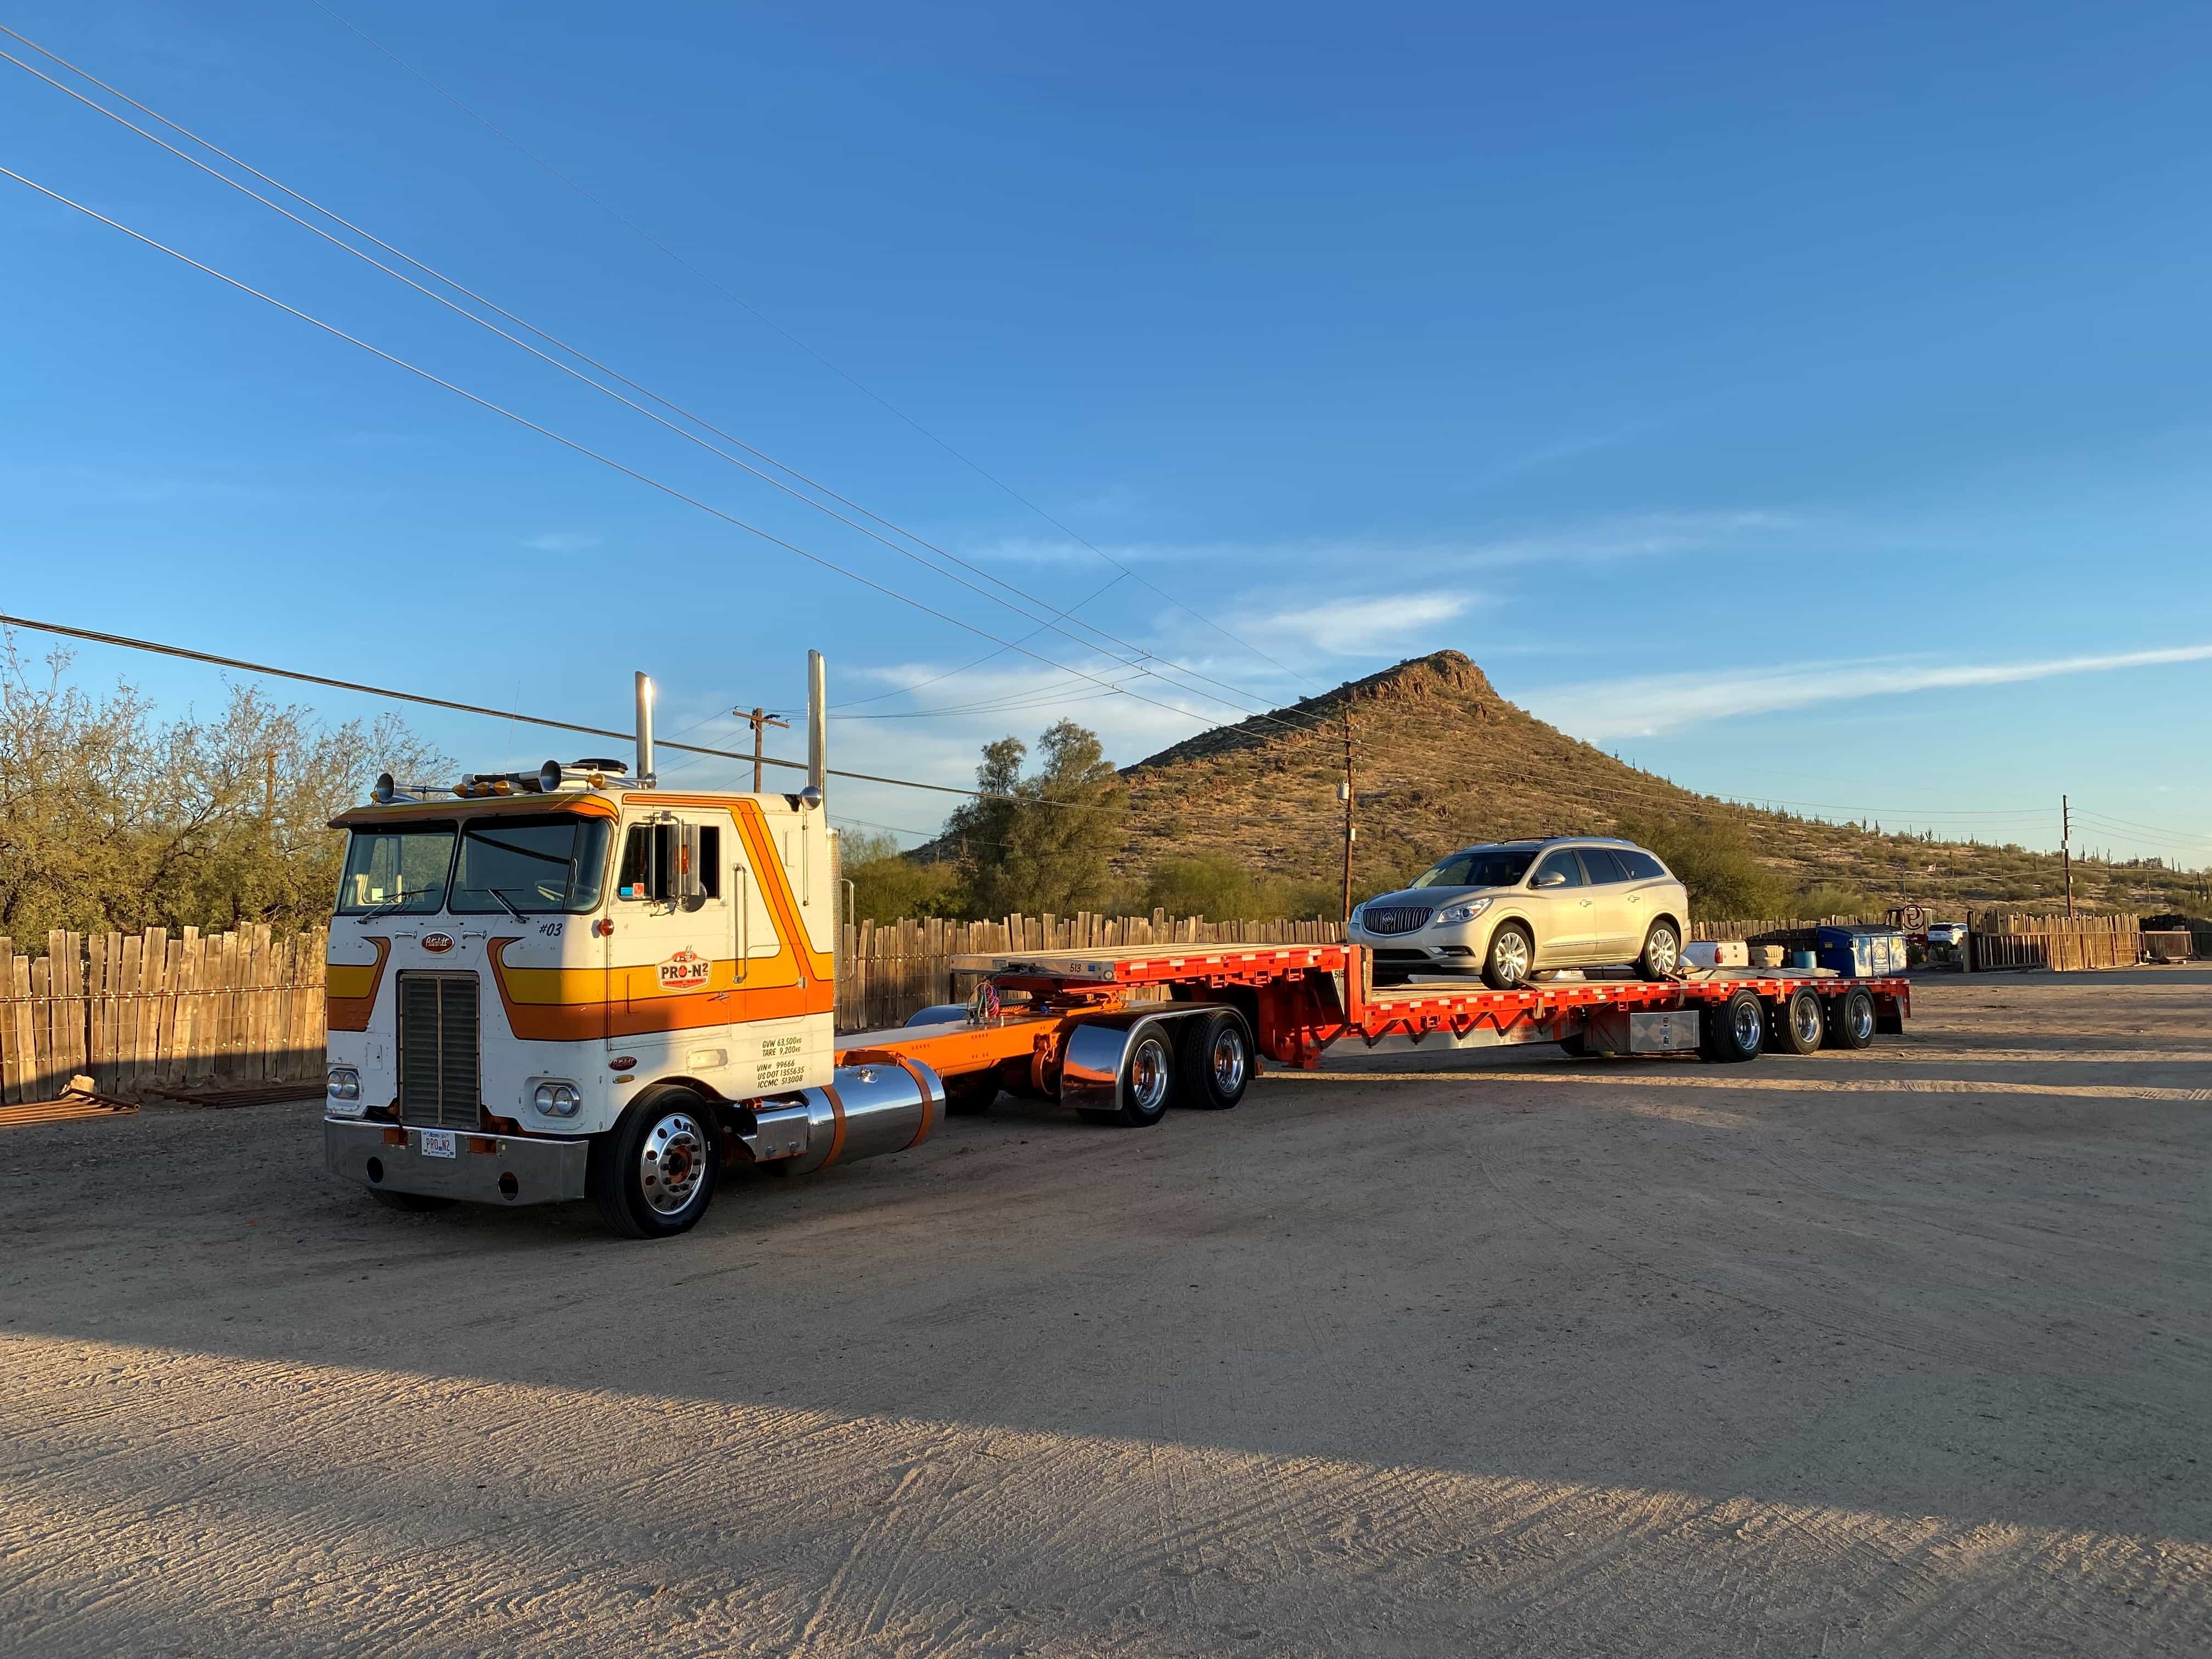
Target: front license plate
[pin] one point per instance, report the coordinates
(440, 1143)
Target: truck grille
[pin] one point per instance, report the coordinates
(438, 1083)
(1395, 919)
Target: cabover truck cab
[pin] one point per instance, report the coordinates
(573, 984)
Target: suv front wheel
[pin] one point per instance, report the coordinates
(1511, 954)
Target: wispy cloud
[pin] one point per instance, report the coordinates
(1654, 703)
(1358, 628)
(562, 541)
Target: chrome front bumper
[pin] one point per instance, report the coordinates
(485, 1169)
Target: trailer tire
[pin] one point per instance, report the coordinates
(1214, 1061)
(1510, 972)
(411, 1203)
(1851, 1019)
(1734, 1031)
(653, 1175)
(1802, 1026)
(1575, 1045)
(1662, 956)
(970, 1096)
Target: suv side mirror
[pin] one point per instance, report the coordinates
(1550, 878)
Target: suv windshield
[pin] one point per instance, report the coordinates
(518, 865)
(401, 869)
(1480, 866)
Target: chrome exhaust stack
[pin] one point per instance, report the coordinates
(818, 726)
(644, 687)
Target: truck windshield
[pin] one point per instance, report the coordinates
(1480, 866)
(397, 870)
(522, 866)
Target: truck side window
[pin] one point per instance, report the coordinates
(710, 861)
(648, 862)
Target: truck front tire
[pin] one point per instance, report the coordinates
(653, 1175)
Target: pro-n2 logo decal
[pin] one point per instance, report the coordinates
(686, 970)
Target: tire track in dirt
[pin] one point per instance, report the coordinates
(271, 1529)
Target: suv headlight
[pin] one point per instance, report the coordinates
(1453, 914)
(344, 1092)
(556, 1099)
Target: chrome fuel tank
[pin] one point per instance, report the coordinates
(880, 1106)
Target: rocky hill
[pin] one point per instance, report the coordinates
(1441, 759)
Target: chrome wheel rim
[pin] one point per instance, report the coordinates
(1862, 1018)
(1747, 1024)
(1510, 953)
(1805, 1018)
(1662, 949)
(1228, 1061)
(1148, 1076)
(672, 1163)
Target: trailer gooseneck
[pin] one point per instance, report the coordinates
(575, 984)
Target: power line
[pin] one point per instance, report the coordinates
(157, 649)
(1141, 654)
(868, 392)
(581, 449)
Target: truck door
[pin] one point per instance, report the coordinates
(671, 916)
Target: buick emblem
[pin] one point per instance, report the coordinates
(437, 943)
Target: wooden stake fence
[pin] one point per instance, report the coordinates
(144, 1013)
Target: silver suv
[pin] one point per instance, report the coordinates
(1507, 908)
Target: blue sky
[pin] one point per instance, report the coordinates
(1808, 403)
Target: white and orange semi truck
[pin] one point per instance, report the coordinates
(577, 984)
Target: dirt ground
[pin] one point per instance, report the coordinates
(1900, 1352)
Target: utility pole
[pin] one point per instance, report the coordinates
(757, 719)
(2066, 849)
(1349, 798)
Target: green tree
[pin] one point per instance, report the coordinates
(888, 886)
(1044, 841)
(112, 819)
(1218, 887)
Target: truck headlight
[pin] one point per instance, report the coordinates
(1454, 914)
(556, 1099)
(344, 1092)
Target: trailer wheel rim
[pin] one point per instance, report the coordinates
(1510, 953)
(1805, 1020)
(1228, 1061)
(1859, 1011)
(1745, 1018)
(671, 1163)
(1148, 1076)
(1661, 950)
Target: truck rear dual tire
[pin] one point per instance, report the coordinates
(1148, 1085)
(653, 1175)
(971, 1095)
(1213, 1060)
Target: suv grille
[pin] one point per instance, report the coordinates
(1395, 919)
(438, 1075)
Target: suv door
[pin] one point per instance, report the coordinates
(1560, 909)
(1617, 933)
